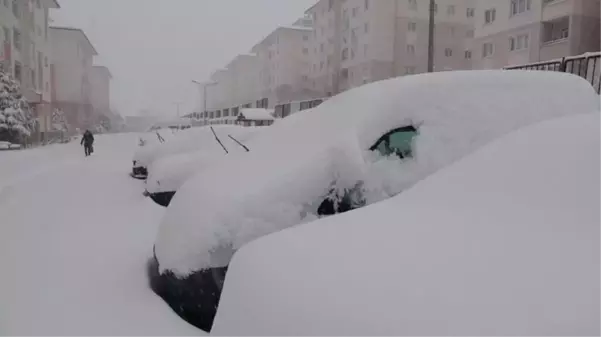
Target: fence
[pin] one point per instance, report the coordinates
(587, 66)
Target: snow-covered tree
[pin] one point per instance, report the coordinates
(59, 121)
(16, 120)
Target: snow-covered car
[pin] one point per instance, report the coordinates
(184, 141)
(504, 242)
(167, 174)
(147, 144)
(9, 146)
(360, 147)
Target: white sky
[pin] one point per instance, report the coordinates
(154, 48)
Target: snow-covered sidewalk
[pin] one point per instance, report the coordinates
(75, 234)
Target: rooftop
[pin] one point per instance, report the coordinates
(77, 30)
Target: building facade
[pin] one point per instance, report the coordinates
(283, 58)
(25, 50)
(510, 32)
(72, 63)
(100, 82)
(361, 41)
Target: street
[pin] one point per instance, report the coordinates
(75, 234)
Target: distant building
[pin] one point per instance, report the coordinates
(284, 63)
(25, 49)
(511, 32)
(72, 63)
(100, 81)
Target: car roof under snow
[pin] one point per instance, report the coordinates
(295, 161)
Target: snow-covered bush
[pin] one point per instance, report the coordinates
(59, 121)
(16, 120)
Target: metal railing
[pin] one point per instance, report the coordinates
(587, 66)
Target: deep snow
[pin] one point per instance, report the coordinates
(504, 242)
(75, 234)
(294, 163)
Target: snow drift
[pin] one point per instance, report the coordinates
(505, 242)
(296, 162)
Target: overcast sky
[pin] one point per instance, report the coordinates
(154, 48)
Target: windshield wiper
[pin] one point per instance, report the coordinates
(237, 142)
(219, 141)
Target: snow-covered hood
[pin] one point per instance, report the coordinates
(294, 163)
(190, 140)
(504, 242)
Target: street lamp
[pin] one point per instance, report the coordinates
(431, 36)
(204, 86)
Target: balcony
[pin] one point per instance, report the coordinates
(555, 36)
(554, 9)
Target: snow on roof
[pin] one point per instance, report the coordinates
(295, 162)
(505, 242)
(173, 122)
(297, 27)
(256, 114)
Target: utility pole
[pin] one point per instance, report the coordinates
(431, 37)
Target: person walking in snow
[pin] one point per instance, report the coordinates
(87, 141)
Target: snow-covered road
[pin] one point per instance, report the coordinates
(75, 234)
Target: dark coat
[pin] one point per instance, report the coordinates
(87, 139)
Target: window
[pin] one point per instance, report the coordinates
(366, 4)
(321, 47)
(45, 61)
(6, 3)
(305, 51)
(398, 142)
(490, 16)
(565, 33)
(412, 26)
(469, 33)
(365, 50)
(409, 70)
(355, 11)
(448, 52)
(519, 6)
(470, 12)
(305, 37)
(38, 4)
(18, 71)
(487, 49)
(468, 54)
(413, 5)
(366, 28)
(6, 35)
(452, 31)
(344, 54)
(451, 10)
(518, 43)
(410, 49)
(17, 39)
(32, 72)
(16, 8)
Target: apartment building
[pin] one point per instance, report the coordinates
(243, 75)
(361, 41)
(72, 63)
(509, 32)
(283, 58)
(100, 87)
(25, 51)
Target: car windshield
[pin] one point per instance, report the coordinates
(203, 127)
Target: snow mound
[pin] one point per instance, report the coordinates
(504, 242)
(294, 163)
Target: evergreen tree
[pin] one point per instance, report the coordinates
(16, 120)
